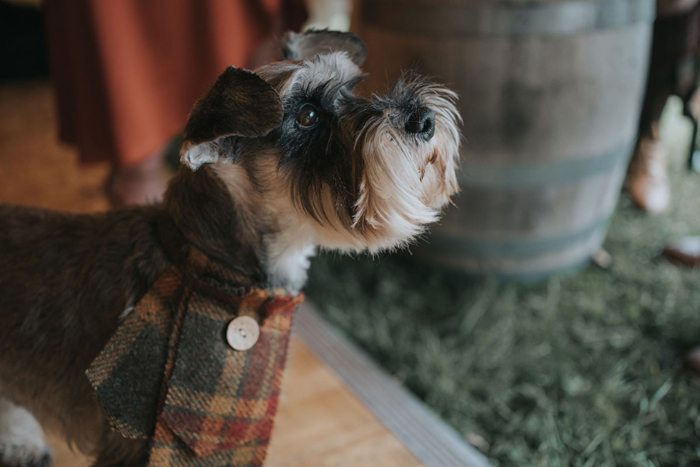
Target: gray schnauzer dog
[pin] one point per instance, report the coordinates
(276, 163)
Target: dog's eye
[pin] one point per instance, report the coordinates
(308, 116)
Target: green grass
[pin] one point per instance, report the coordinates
(581, 370)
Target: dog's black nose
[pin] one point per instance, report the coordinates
(422, 122)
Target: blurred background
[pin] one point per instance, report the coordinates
(552, 316)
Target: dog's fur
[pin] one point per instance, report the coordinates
(257, 191)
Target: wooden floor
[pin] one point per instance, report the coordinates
(320, 422)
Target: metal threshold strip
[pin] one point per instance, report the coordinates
(430, 439)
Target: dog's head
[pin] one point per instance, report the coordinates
(307, 154)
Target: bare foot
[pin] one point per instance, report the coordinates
(140, 184)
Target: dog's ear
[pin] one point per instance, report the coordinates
(306, 45)
(239, 104)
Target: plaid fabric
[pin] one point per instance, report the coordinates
(168, 373)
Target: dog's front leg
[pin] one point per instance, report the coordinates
(22, 442)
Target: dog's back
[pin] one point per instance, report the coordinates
(64, 281)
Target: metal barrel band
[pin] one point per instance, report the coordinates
(477, 174)
(512, 249)
(550, 19)
(526, 277)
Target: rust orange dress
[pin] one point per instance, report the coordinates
(127, 72)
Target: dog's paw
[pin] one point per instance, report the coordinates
(19, 451)
(22, 441)
(20, 456)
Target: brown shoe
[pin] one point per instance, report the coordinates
(692, 360)
(685, 251)
(647, 179)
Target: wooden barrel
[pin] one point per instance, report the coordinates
(550, 92)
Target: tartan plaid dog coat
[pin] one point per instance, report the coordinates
(169, 375)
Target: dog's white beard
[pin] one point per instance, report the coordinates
(403, 188)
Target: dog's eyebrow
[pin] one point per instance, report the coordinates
(349, 84)
(331, 91)
(332, 85)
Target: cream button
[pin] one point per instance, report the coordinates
(242, 333)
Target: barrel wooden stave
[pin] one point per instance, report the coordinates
(496, 215)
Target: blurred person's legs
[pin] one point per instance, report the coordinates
(672, 70)
(676, 43)
(140, 183)
(127, 73)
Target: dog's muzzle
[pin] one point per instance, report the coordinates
(422, 123)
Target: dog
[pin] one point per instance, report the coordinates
(276, 164)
